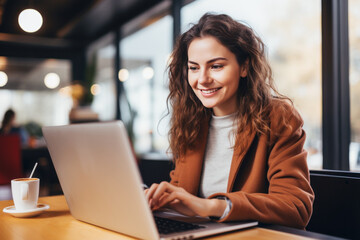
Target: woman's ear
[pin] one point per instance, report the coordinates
(244, 69)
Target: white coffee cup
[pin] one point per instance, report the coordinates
(25, 192)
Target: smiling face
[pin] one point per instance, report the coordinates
(214, 74)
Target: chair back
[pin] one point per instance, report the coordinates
(160, 165)
(10, 158)
(337, 203)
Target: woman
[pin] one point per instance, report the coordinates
(8, 127)
(237, 143)
(8, 122)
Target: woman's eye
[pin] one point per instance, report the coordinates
(216, 66)
(192, 68)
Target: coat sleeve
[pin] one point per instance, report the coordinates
(290, 197)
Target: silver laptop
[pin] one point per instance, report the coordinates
(102, 185)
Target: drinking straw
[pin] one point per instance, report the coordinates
(33, 170)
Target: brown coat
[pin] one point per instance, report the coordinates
(269, 179)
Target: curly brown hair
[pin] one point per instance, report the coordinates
(254, 93)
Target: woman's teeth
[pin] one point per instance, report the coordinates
(209, 90)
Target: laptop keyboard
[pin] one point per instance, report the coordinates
(167, 226)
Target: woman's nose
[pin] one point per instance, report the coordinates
(204, 77)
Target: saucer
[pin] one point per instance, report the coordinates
(26, 213)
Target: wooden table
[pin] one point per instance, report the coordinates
(57, 223)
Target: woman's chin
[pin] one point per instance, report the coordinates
(208, 105)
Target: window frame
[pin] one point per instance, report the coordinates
(335, 85)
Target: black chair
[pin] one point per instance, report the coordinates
(337, 203)
(155, 169)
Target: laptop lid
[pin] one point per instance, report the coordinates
(99, 177)
(102, 184)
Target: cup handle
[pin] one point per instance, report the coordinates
(24, 191)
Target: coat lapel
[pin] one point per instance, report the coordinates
(193, 164)
(238, 156)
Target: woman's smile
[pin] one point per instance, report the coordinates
(209, 92)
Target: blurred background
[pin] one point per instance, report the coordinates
(102, 60)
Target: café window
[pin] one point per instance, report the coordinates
(290, 43)
(31, 87)
(354, 77)
(144, 56)
(101, 57)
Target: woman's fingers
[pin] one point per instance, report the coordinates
(167, 199)
(174, 196)
(163, 188)
(166, 194)
(156, 191)
(173, 201)
(188, 204)
(150, 191)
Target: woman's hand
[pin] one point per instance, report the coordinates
(177, 198)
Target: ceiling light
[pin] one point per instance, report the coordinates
(95, 89)
(30, 20)
(123, 74)
(148, 72)
(3, 79)
(52, 80)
